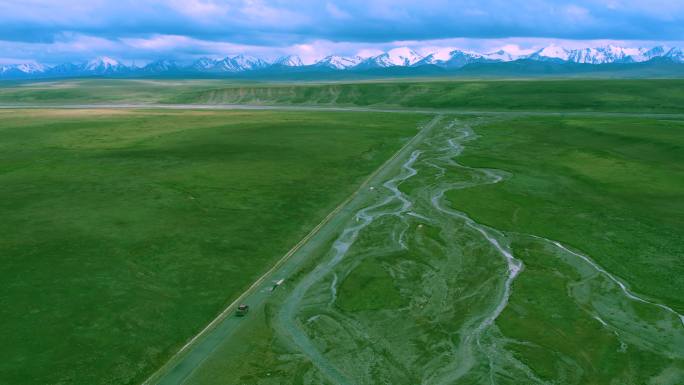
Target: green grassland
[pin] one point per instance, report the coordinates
(406, 302)
(612, 189)
(645, 95)
(507, 95)
(99, 91)
(125, 232)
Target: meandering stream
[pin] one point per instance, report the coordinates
(459, 279)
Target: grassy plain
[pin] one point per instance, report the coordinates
(405, 303)
(508, 95)
(125, 232)
(610, 188)
(160, 217)
(647, 95)
(98, 91)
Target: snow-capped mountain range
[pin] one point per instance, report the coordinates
(602, 55)
(397, 57)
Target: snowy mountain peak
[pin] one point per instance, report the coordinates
(551, 52)
(31, 68)
(162, 65)
(440, 55)
(239, 63)
(598, 55)
(500, 55)
(289, 61)
(338, 62)
(204, 63)
(23, 68)
(248, 62)
(607, 54)
(676, 55)
(451, 58)
(403, 56)
(656, 51)
(102, 62)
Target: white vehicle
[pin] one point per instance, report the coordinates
(277, 283)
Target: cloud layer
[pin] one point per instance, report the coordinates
(50, 30)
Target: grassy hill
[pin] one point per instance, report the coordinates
(636, 95)
(125, 232)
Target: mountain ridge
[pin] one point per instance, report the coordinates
(386, 62)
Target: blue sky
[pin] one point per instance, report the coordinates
(56, 31)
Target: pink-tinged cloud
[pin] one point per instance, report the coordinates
(76, 29)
